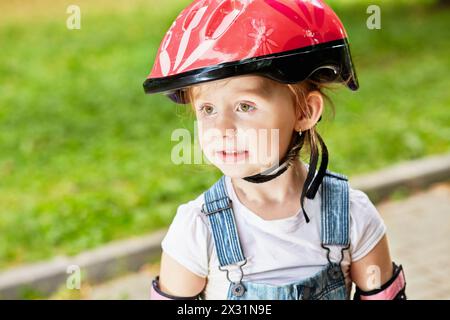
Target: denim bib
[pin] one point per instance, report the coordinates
(328, 283)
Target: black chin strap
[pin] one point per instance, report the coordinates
(285, 162)
(311, 184)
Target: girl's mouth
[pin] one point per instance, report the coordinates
(232, 156)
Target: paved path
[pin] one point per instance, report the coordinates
(418, 232)
(419, 236)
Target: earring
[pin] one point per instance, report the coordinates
(299, 133)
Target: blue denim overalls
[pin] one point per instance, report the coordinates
(328, 283)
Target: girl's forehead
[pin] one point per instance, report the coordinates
(255, 84)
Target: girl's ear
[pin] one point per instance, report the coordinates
(312, 111)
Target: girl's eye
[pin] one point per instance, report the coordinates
(245, 107)
(207, 109)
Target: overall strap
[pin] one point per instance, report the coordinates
(335, 217)
(220, 214)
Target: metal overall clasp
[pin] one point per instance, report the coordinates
(237, 288)
(335, 271)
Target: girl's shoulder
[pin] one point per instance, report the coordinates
(359, 200)
(360, 203)
(192, 209)
(189, 214)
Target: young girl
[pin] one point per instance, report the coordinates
(273, 226)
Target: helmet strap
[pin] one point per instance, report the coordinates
(285, 162)
(313, 181)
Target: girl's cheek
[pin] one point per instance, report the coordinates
(268, 148)
(205, 147)
(201, 135)
(206, 134)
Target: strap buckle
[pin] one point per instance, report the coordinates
(228, 206)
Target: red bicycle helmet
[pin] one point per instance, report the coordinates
(284, 40)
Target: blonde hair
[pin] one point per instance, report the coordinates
(299, 92)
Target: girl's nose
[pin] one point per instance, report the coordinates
(226, 125)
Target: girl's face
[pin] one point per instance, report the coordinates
(245, 123)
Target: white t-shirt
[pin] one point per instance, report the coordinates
(278, 251)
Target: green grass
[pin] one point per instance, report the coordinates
(85, 155)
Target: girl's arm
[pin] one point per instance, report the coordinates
(176, 282)
(374, 275)
(363, 271)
